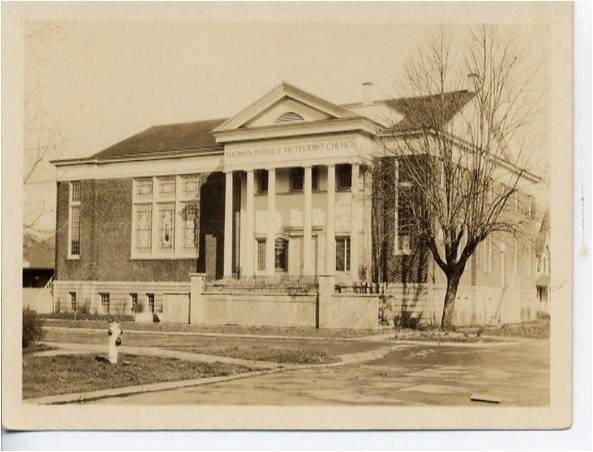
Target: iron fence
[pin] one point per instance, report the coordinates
(265, 284)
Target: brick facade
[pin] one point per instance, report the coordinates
(106, 222)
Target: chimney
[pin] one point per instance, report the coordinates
(367, 93)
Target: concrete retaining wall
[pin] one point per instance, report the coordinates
(276, 309)
(474, 305)
(38, 299)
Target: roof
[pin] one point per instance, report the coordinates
(197, 136)
(417, 110)
(165, 138)
(38, 253)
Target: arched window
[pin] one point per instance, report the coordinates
(288, 117)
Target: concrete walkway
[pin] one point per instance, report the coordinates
(63, 348)
(263, 367)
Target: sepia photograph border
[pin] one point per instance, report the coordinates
(558, 415)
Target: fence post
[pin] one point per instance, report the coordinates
(325, 300)
(196, 300)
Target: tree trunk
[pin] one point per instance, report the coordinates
(449, 304)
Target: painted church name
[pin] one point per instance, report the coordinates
(291, 149)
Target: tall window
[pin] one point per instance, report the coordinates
(342, 254)
(281, 254)
(134, 301)
(297, 176)
(167, 227)
(166, 216)
(104, 298)
(488, 254)
(72, 300)
(344, 176)
(74, 223)
(405, 216)
(261, 254)
(150, 301)
(262, 181)
(315, 178)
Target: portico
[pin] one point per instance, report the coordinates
(297, 163)
(310, 229)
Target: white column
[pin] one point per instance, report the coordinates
(228, 225)
(307, 239)
(330, 218)
(248, 264)
(270, 240)
(356, 222)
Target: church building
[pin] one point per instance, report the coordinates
(280, 192)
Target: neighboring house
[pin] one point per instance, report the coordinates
(283, 189)
(543, 265)
(38, 270)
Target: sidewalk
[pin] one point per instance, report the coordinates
(64, 348)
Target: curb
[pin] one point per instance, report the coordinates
(63, 399)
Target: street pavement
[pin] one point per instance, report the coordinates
(411, 374)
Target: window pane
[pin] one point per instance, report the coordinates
(191, 218)
(143, 189)
(167, 226)
(262, 181)
(261, 254)
(296, 179)
(143, 227)
(281, 254)
(75, 187)
(340, 264)
(315, 178)
(190, 185)
(166, 187)
(343, 254)
(344, 176)
(405, 212)
(75, 231)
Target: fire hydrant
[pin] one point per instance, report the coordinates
(115, 333)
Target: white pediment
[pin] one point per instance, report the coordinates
(287, 110)
(285, 104)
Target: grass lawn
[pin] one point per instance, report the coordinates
(228, 329)
(538, 329)
(296, 351)
(44, 376)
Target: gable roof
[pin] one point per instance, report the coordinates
(38, 253)
(165, 138)
(198, 136)
(416, 110)
(282, 91)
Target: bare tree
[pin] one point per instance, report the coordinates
(42, 141)
(455, 149)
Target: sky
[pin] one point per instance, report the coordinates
(90, 84)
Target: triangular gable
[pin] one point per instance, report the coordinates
(285, 98)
